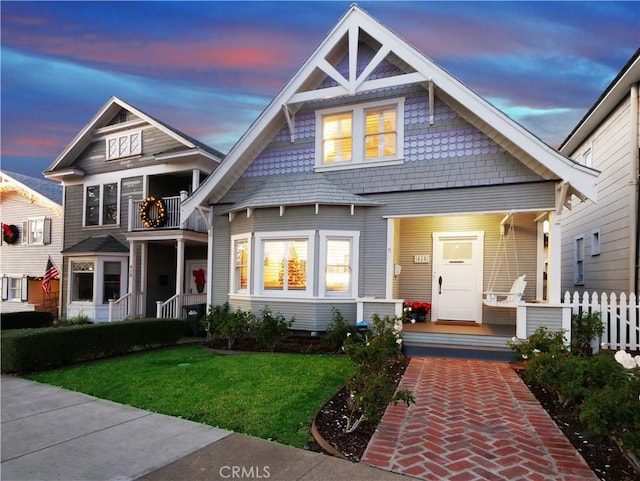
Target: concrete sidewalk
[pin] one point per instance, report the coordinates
(54, 434)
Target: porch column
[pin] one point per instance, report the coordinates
(142, 308)
(179, 274)
(133, 274)
(389, 276)
(210, 260)
(554, 271)
(540, 258)
(195, 179)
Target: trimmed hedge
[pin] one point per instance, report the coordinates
(28, 350)
(25, 320)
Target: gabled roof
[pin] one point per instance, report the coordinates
(612, 95)
(42, 191)
(104, 115)
(100, 243)
(299, 189)
(537, 155)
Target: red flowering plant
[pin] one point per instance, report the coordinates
(415, 311)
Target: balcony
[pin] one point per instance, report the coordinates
(194, 222)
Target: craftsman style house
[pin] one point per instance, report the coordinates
(126, 253)
(375, 177)
(31, 235)
(600, 249)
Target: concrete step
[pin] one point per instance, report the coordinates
(459, 352)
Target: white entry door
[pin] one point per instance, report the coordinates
(457, 276)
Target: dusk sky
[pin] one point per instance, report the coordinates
(209, 68)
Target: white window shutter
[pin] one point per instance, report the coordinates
(46, 238)
(5, 288)
(25, 232)
(24, 295)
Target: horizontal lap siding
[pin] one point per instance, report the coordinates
(609, 271)
(309, 316)
(550, 317)
(220, 264)
(93, 159)
(22, 259)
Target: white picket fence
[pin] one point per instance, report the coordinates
(620, 315)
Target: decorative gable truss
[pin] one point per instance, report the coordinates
(339, 68)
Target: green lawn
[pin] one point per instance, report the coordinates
(271, 396)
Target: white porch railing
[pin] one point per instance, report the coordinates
(620, 315)
(194, 223)
(119, 308)
(172, 307)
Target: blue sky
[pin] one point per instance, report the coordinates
(209, 68)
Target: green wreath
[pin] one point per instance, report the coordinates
(145, 212)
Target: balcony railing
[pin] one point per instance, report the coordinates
(172, 204)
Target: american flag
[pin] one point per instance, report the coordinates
(49, 273)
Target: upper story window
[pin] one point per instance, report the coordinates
(101, 204)
(36, 231)
(587, 158)
(360, 135)
(124, 144)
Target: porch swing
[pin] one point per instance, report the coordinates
(512, 298)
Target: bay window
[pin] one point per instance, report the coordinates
(82, 273)
(285, 265)
(240, 256)
(339, 263)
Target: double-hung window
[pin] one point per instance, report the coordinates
(101, 204)
(339, 263)
(241, 258)
(124, 144)
(360, 135)
(82, 275)
(36, 231)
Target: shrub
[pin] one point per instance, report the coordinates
(28, 350)
(605, 395)
(585, 328)
(74, 321)
(269, 328)
(541, 341)
(371, 388)
(25, 320)
(338, 331)
(221, 322)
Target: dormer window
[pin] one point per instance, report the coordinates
(124, 144)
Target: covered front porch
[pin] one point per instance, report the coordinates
(168, 274)
(452, 263)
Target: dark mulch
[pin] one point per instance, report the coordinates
(601, 453)
(331, 421)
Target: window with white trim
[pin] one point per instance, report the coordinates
(82, 275)
(14, 288)
(338, 263)
(124, 145)
(284, 263)
(101, 205)
(587, 158)
(595, 242)
(360, 135)
(578, 271)
(36, 231)
(241, 261)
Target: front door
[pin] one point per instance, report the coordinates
(457, 276)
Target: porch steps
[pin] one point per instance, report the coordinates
(482, 353)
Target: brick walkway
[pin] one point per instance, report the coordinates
(473, 420)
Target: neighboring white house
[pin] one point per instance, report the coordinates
(31, 216)
(600, 241)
